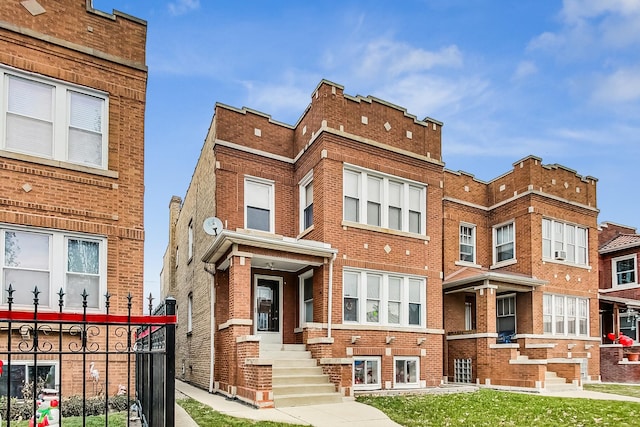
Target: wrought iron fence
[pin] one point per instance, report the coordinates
(78, 356)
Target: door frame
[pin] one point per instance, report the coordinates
(277, 335)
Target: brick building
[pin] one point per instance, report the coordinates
(322, 274)
(521, 278)
(619, 247)
(71, 161)
(324, 248)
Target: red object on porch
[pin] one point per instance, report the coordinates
(625, 341)
(611, 336)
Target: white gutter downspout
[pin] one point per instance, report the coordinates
(213, 332)
(330, 302)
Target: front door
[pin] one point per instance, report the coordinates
(267, 308)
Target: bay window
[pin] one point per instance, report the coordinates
(383, 299)
(379, 200)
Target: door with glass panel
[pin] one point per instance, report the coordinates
(267, 309)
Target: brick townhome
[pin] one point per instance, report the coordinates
(325, 273)
(521, 278)
(619, 300)
(73, 85)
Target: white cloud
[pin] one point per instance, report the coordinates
(621, 86)
(180, 7)
(525, 69)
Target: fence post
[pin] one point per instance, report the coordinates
(170, 364)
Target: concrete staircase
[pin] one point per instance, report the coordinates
(552, 382)
(297, 378)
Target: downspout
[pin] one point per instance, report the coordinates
(213, 332)
(330, 302)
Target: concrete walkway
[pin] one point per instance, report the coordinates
(587, 394)
(347, 414)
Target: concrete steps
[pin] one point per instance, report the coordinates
(297, 379)
(553, 382)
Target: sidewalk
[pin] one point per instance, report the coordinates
(347, 414)
(587, 394)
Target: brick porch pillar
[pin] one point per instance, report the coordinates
(486, 325)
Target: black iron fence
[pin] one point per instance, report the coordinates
(53, 363)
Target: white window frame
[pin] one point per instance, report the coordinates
(26, 364)
(302, 321)
(615, 273)
(633, 328)
(555, 309)
(362, 199)
(511, 313)
(190, 241)
(563, 239)
(190, 313)
(496, 229)
(58, 264)
(367, 385)
(406, 359)
(252, 180)
(467, 241)
(61, 95)
(304, 203)
(362, 296)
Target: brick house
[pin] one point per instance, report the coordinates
(619, 247)
(71, 159)
(521, 278)
(325, 277)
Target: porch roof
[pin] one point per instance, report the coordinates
(629, 302)
(466, 278)
(228, 238)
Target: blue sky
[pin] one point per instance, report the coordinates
(556, 79)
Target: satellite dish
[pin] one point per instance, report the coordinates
(212, 226)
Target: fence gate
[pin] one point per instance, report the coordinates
(86, 359)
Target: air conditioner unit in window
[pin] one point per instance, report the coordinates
(560, 255)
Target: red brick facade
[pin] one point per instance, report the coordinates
(72, 50)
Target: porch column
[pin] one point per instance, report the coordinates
(486, 326)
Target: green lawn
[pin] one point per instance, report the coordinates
(205, 416)
(623, 389)
(495, 408)
(117, 419)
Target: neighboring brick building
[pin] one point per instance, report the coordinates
(71, 159)
(521, 277)
(331, 241)
(619, 247)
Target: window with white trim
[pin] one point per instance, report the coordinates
(190, 240)
(366, 373)
(306, 202)
(306, 297)
(52, 260)
(259, 204)
(565, 315)
(50, 119)
(376, 298)
(468, 243)
(506, 314)
(504, 243)
(564, 242)
(22, 372)
(629, 325)
(406, 372)
(625, 270)
(384, 201)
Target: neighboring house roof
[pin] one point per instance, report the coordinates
(621, 241)
(466, 276)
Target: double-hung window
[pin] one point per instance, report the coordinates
(506, 314)
(375, 298)
(564, 242)
(259, 204)
(190, 313)
(50, 260)
(565, 315)
(306, 298)
(468, 243)
(49, 119)
(504, 244)
(379, 200)
(625, 270)
(306, 202)
(629, 325)
(190, 240)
